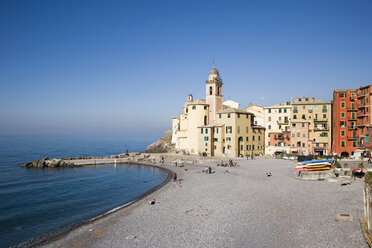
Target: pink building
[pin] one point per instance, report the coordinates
(280, 139)
(300, 142)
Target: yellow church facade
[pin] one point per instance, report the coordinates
(212, 128)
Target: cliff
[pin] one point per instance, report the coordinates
(164, 144)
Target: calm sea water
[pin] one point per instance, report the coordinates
(35, 202)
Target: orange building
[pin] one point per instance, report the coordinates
(344, 119)
(364, 118)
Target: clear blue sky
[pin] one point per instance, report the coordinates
(126, 67)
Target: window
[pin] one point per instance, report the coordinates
(218, 90)
(324, 116)
(259, 137)
(210, 90)
(228, 115)
(280, 118)
(293, 124)
(298, 134)
(294, 117)
(229, 129)
(303, 107)
(306, 99)
(310, 109)
(238, 115)
(354, 144)
(228, 138)
(206, 130)
(206, 144)
(201, 130)
(215, 147)
(215, 139)
(247, 116)
(194, 107)
(293, 135)
(342, 114)
(303, 117)
(206, 138)
(342, 104)
(253, 137)
(252, 147)
(280, 110)
(342, 95)
(303, 144)
(219, 116)
(247, 139)
(342, 143)
(303, 135)
(269, 110)
(299, 99)
(315, 107)
(324, 108)
(216, 130)
(247, 148)
(303, 124)
(269, 127)
(206, 149)
(246, 129)
(343, 133)
(285, 110)
(269, 118)
(342, 123)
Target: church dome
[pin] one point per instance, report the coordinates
(214, 75)
(213, 71)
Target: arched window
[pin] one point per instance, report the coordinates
(218, 91)
(210, 90)
(205, 120)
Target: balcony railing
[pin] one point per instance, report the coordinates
(321, 128)
(352, 109)
(354, 137)
(351, 118)
(361, 105)
(361, 114)
(361, 124)
(285, 122)
(295, 111)
(360, 94)
(352, 127)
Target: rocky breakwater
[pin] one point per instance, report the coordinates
(46, 162)
(163, 145)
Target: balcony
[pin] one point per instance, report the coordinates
(352, 109)
(352, 128)
(361, 114)
(353, 137)
(361, 124)
(360, 95)
(351, 118)
(360, 105)
(285, 122)
(295, 111)
(321, 129)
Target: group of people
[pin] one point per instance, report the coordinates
(229, 164)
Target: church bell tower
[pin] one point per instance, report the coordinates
(214, 93)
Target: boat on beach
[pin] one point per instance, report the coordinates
(314, 165)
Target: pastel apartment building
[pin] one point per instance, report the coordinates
(317, 113)
(277, 124)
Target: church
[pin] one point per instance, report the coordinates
(216, 128)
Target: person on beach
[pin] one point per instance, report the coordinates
(175, 177)
(209, 170)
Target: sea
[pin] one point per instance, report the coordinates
(38, 203)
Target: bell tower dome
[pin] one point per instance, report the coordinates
(214, 93)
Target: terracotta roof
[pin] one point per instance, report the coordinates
(315, 101)
(344, 90)
(233, 110)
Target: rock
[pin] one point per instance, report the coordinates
(34, 163)
(162, 145)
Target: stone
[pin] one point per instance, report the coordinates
(162, 145)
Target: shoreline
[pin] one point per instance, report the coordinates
(64, 231)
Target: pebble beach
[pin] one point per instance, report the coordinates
(242, 208)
